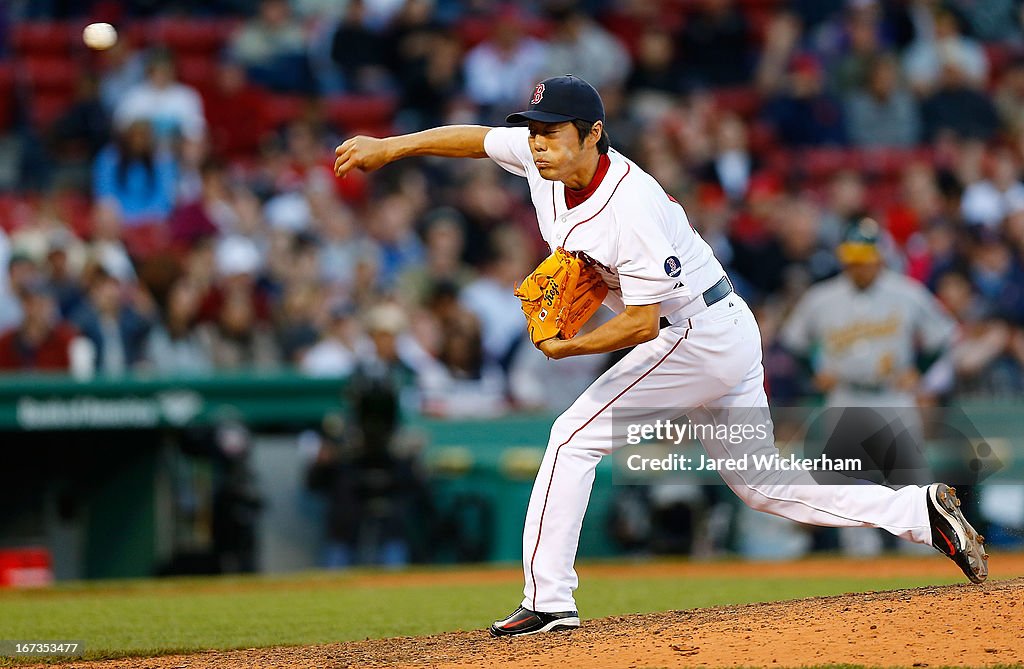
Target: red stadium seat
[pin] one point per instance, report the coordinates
(821, 164)
(7, 102)
(743, 100)
(999, 58)
(138, 34)
(889, 163)
(15, 211)
(197, 70)
(359, 112)
(191, 36)
(761, 137)
(46, 107)
(780, 161)
(283, 109)
(48, 73)
(76, 210)
(42, 37)
(473, 30)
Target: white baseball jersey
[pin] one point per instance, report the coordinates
(639, 237)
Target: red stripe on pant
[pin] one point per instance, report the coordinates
(540, 525)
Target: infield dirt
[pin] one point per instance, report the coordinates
(959, 625)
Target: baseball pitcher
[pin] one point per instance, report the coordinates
(696, 341)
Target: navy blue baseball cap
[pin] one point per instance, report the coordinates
(561, 99)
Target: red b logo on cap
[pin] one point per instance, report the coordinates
(538, 93)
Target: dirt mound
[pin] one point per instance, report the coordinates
(960, 625)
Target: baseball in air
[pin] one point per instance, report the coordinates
(99, 36)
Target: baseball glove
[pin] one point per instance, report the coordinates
(560, 296)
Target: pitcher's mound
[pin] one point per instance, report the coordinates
(934, 626)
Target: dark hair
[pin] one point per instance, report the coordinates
(127, 156)
(583, 129)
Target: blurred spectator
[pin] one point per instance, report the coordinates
(123, 69)
(536, 383)
(805, 114)
(653, 68)
(983, 340)
(989, 201)
(882, 113)
(235, 111)
(426, 64)
(919, 222)
(444, 239)
(342, 245)
(502, 70)
(465, 384)
(212, 214)
(237, 263)
(338, 348)
(136, 175)
(847, 204)
(487, 204)
(80, 132)
(579, 45)
(849, 42)
(8, 300)
(42, 342)
(1009, 98)
(272, 47)
(714, 46)
(815, 12)
(433, 82)
(925, 59)
(116, 329)
(392, 227)
(295, 320)
(20, 271)
(497, 310)
(63, 276)
(997, 276)
(171, 108)
(174, 346)
(792, 258)
(991, 20)
(237, 340)
(959, 107)
(782, 39)
(733, 164)
(359, 52)
(106, 243)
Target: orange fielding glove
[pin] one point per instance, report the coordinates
(560, 296)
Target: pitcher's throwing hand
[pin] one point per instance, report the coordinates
(360, 152)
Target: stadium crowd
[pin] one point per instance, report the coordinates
(170, 207)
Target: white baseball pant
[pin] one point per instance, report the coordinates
(711, 361)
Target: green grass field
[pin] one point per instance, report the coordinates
(117, 618)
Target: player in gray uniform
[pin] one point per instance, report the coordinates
(866, 328)
(862, 333)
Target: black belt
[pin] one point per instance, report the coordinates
(715, 293)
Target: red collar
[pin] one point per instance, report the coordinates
(574, 198)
